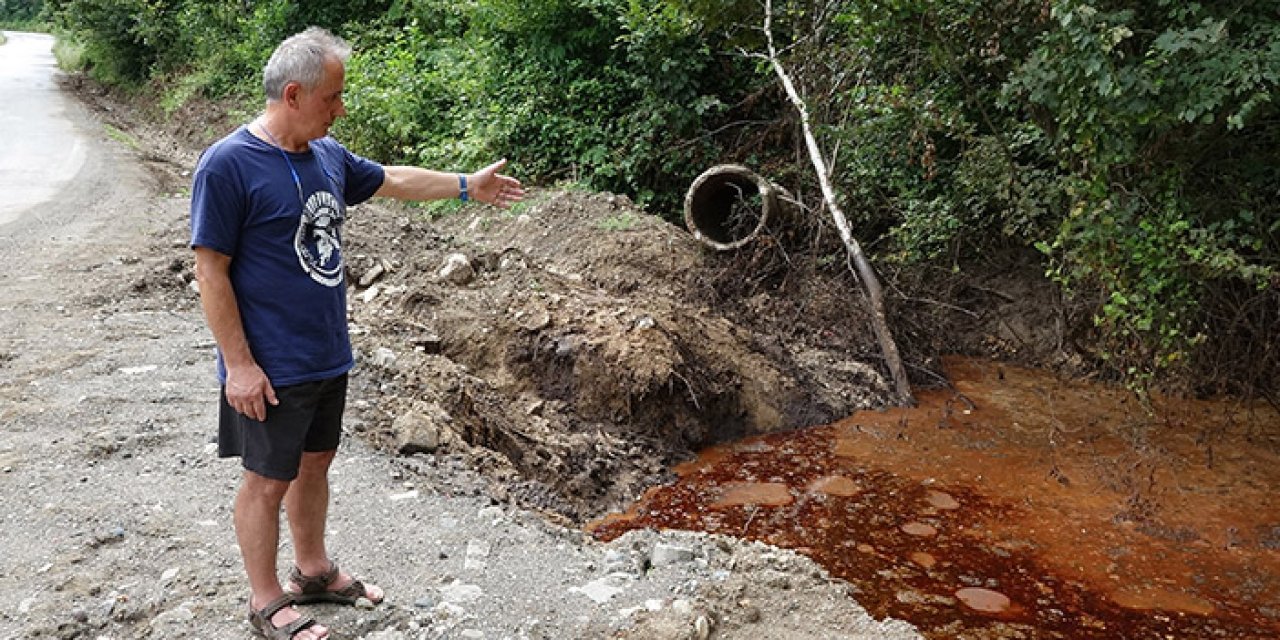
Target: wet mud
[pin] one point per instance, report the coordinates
(1015, 505)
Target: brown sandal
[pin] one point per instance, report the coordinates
(316, 588)
(261, 620)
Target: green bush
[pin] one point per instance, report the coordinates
(21, 15)
(1164, 122)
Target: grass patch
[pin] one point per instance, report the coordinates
(619, 222)
(69, 54)
(122, 137)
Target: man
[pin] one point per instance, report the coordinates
(268, 206)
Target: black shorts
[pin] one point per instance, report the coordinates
(308, 418)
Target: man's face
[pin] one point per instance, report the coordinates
(320, 106)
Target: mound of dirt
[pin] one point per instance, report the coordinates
(577, 347)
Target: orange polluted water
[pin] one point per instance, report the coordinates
(1015, 505)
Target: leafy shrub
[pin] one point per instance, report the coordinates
(1163, 118)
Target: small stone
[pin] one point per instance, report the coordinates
(174, 617)
(919, 529)
(664, 554)
(364, 604)
(941, 500)
(600, 590)
(702, 628)
(477, 554)
(924, 559)
(456, 269)
(455, 593)
(383, 357)
(373, 274)
(385, 634)
(984, 600)
(420, 429)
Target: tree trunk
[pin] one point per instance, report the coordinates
(879, 322)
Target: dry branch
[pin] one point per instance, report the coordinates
(875, 293)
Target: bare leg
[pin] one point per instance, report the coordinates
(257, 523)
(307, 507)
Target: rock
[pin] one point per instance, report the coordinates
(456, 592)
(173, 623)
(601, 590)
(477, 555)
(620, 562)
(374, 272)
(115, 534)
(383, 357)
(421, 428)
(664, 554)
(702, 628)
(456, 269)
(385, 634)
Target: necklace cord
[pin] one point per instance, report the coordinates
(297, 181)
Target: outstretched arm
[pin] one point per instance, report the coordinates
(486, 185)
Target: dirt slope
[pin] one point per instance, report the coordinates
(583, 349)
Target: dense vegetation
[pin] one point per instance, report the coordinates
(21, 15)
(1132, 143)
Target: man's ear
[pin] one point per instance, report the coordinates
(291, 93)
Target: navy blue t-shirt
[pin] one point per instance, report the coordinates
(284, 238)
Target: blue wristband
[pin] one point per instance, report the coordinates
(462, 188)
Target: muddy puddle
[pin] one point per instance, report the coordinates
(1015, 505)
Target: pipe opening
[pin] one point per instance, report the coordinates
(728, 205)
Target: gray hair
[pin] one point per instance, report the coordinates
(301, 58)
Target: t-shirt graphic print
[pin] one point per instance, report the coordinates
(318, 242)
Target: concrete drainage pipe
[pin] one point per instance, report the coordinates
(729, 205)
